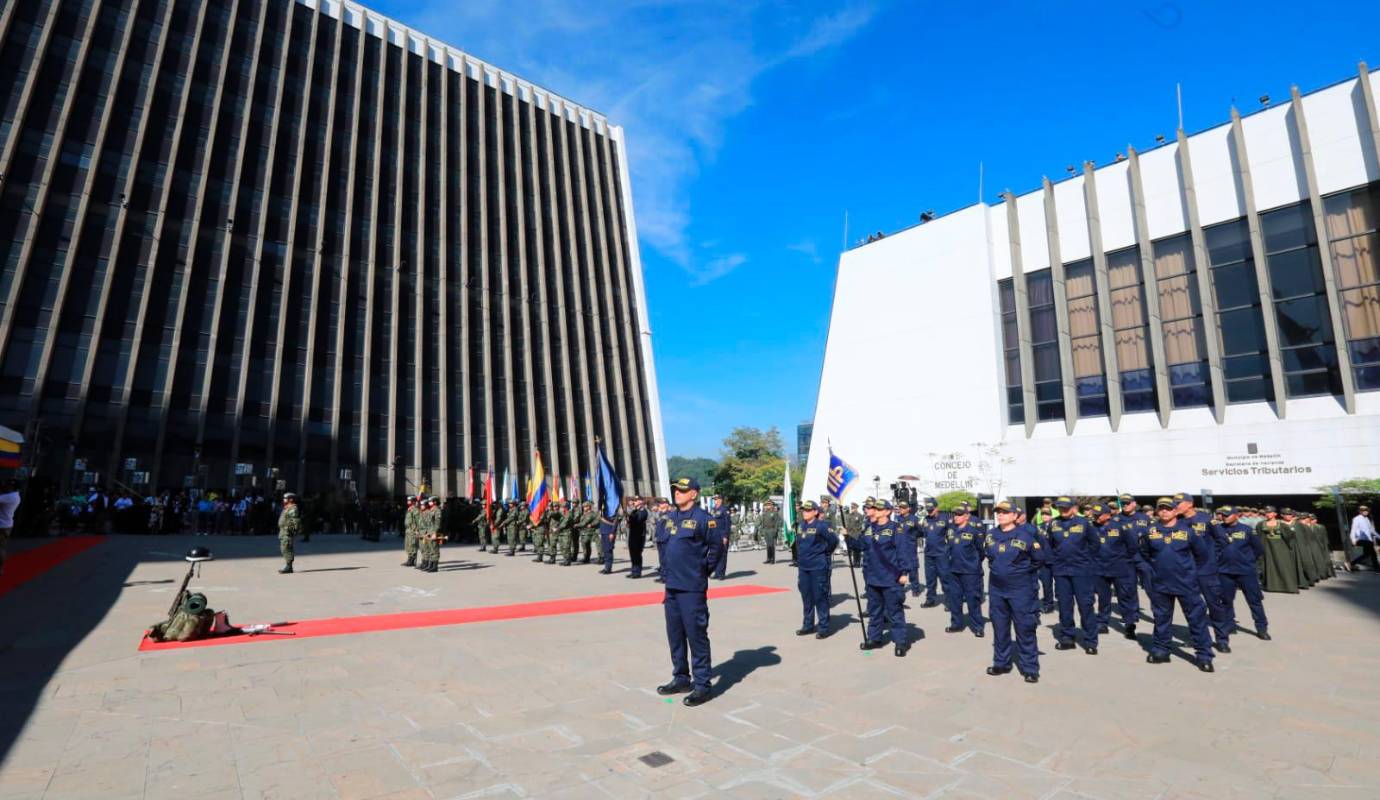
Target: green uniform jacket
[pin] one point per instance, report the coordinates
(1280, 565)
(770, 526)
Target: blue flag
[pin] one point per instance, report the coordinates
(610, 488)
(841, 476)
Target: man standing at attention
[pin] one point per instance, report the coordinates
(692, 552)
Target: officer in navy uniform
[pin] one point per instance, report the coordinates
(662, 534)
(884, 572)
(608, 533)
(1040, 522)
(1138, 522)
(936, 560)
(692, 551)
(1173, 554)
(963, 547)
(1013, 552)
(1209, 577)
(1118, 550)
(909, 529)
(1073, 546)
(1237, 565)
(723, 519)
(814, 559)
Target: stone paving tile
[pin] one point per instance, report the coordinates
(478, 711)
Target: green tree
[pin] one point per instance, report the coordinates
(950, 500)
(1355, 491)
(701, 469)
(751, 468)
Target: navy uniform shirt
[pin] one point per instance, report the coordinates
(1242, 550)
(1013, 557)
(723, 521)
(934, 526)
(1117, 549)
(1073, 546)
(1173, 552)
(1137, 522)
(816, 543)
(881, 564)
(963, 544)
(908, 529)
(607, 526)
(663, 528)
(692, 549)
(1201, 525)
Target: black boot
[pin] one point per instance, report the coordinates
(411, 561)
(286, 570)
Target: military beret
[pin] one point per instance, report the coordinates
(809, 505)
(1164, 502)
(1183, 497)
(1003, 507)
(1064, 502)
(685, 485)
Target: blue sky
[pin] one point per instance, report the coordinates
(753, 126)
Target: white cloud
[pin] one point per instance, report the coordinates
(671, 72)
(808, 248)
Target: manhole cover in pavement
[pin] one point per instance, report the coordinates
(656, 758)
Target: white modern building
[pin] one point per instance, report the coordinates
(1201, 315)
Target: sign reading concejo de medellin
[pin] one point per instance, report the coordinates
(954, 474)
(1249, 464)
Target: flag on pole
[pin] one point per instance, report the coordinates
(787, 509)
(507, 484)
(469, 483)
(841, 476)
(537, 497)
(589, 487)
(489, 494)
(515, 496)
(610, 487)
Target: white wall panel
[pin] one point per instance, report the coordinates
(1071, 210)
(1030, 212)
(1276, 167)
(1213, 178)
(999, 241)
(1163, 187)
(1114, 206)
(1342, 157)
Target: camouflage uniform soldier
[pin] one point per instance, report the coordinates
(769, 526)
(431, 527)
(496, 526)
(289, 525)
(512, 527)
(565, 532)
(410, 532)
(588, 525)
(423, 535)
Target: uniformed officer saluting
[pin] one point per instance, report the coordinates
(1072, 545)
(1014, 554)
(1238, 571)
(692, 552)
(1173, 552)
(817, 545)
(884, 572)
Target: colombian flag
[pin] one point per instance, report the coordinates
(9, 454)
(537, 496)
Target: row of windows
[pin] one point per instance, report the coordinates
(1297, 303)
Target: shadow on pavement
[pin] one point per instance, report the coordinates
(460, 566)
(742, 573)
(742, 664)
(330, 569)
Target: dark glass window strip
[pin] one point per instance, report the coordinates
(1306, 343)
(1241, 331)
(1044, 345)
(1011, 352)
(1181, 313)
(1352, 219)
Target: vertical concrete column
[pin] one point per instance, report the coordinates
(1150, 280)
(485, 289)
(1368, 101)
(1022, 299)
(45, 32)
(1203, 270)
(552, 210)
(544, 204)
(1262, 271)
(524, 291)
(366, 382)
(466, 394)
(443, 388)
(397, 482)
(1110, 367)
(419, 375)
(1061, 310)
(504, 289)
(592, 309)
(584, 448)
(1299, 120)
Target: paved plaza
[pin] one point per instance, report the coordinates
(564, 705)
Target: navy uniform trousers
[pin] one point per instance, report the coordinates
(885, 610)
(720, 567)
(687, 625)
(606, 541)
(1249, 585)
(931, 578)
(1127, 598)
(960, 588)
(1071, 589)
(1192, 605)
(1047, 588)
(814, 597)
(1015, 608)
(1211, 588)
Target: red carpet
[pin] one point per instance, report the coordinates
(25, 565)
(340, 626)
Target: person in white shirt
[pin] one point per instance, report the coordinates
(1363, 536)
(9, 501)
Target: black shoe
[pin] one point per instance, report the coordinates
(1263, 636)
(766, 562)
(1064, 646)
(697, 698)
(953, 629)
(584, 561)
(804, 631)
(673, 688)
(1205, 665)
(995, 671)
(1154, 659)
(901, 650)
(1092, 651)
(871, 645)
(929, 604)
(409, 563)
(510, 555)
(632, 575)
(1103, 629)
(287, 570)
(823, 634)
(979, 633)
(1223, 647)
(1032, 678)
(605, 571)
(658, 580)
(482, 549)
(1047, 609)
(1130, 632)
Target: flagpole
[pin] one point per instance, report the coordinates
(862, 620)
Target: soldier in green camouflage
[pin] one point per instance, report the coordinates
(587, 525)
(430, 531)
(496, 526)
(512, 527)
(410, 532)
(563, 526)
(289, 525)
(769, 526)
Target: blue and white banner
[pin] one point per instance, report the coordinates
(841, 476)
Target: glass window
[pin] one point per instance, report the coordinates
(1132, 330)
(1300, 295)
(1085, 342)
(1011, 348)
(1351, 219)
(1045, 346)
(1240, 326)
